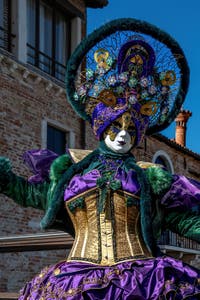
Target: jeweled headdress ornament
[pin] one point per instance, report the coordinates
(128, 65)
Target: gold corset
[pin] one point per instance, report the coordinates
(108, 237)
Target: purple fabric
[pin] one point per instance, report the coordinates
(152, 279)
(103, 116)
(183, 194)
(127, 64)
(123, 53)
(39, 161)
(80, 184)
(128, 180)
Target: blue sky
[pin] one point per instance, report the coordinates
(181, 19)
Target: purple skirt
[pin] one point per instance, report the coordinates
(157, 278)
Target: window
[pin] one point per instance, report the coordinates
(56, 140)
(56, 136)
(162, 158)
(48, 37)
(161, 161)
(5, 25)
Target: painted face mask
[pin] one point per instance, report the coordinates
(120, 136)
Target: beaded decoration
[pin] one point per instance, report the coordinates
(128, 65)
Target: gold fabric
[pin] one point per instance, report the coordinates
(78, 154)
(109, 237)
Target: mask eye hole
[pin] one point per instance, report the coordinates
(131, 128)
(117, 124)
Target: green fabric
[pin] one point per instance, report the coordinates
(153, 182)
(185, 224)
(79, 202)
(56, 205)
(26, 194)
(5, 172)
(106, 183)
(17, 188)
(31, 195)
(57, 169)
(160, 181)
(59, 166)
(108, 153)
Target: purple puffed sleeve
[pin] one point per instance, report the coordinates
(184, 194)
(39, 162)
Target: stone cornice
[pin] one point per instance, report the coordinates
(35, 242)
(178, 147)
(29, 75)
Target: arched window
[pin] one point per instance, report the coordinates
(162, 158)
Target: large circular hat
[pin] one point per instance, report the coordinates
(127, 65)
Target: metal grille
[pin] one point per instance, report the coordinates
(173, 239)
(6, 37)
(45, 63)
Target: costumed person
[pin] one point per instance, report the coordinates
(127, 79)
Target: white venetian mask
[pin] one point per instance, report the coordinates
(122, 143)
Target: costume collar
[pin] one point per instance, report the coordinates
(103, 149)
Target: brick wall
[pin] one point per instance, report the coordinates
(24, 103)
(20, 267)
(185, 162)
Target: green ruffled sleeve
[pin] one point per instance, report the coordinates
(24, 193)
(159, 179)
(19, 189)
(160, 182)
(185, 224)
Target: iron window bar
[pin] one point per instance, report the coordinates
(173, 239)
(45, 63)
(6, 36)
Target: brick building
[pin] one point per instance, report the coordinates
(34, 112)
(36, 39)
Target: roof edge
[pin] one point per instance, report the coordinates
(96, 3)
(172, 143)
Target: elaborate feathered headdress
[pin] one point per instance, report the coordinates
(128, 65)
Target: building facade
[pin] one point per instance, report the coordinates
(36, 39)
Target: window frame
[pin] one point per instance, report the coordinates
(59, 126)
(164, 156)
(54, 63)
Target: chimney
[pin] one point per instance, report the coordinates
(181, 126)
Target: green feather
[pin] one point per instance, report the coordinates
(59, 166)
(5, 172)
(159, 179)
(5, 167)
